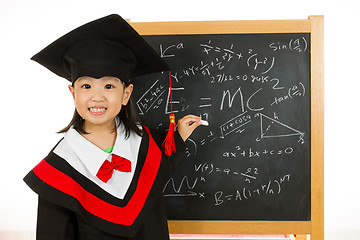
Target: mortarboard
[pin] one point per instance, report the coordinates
(108, 46)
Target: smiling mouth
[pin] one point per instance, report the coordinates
(97, 110)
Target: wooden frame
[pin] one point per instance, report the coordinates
(315, 26)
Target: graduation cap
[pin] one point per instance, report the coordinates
(108, 46)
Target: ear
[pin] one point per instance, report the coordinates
(72, 91)
(127, 93)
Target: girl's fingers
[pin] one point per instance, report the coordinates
(188, 119)
(187, 125)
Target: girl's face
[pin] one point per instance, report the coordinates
(98, 101)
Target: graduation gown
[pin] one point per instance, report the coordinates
(73, 207)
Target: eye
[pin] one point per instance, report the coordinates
(109, 86)
(86, 86)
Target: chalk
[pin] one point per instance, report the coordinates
(205, 123)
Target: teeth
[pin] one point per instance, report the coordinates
(97, 109)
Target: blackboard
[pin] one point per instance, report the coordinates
(253, 160)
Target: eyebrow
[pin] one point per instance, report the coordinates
(83, 79)
(106, 78)
(111, 79)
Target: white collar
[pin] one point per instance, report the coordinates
(93, 157)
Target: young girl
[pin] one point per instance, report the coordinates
(104, 179)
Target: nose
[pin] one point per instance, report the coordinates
(97, 96)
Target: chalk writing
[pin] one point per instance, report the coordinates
(251, 152)
(165, 52)
(298, 44)
(272, 187)
(230, 99)
(267, 64)
(254, 91)
(294, 91)
(271, 128)
(209, 168)
(150, 97)
(234, 124)
(179, 191)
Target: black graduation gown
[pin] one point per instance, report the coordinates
(73, 207)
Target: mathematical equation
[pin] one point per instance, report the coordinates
(209, 168)
(188, 189)
(272, 187)
(255, 96)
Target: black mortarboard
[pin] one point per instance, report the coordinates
(108, 46)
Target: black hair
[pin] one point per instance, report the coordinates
(127, 115)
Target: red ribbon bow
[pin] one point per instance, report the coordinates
(107, 168)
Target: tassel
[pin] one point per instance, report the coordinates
(169, 142)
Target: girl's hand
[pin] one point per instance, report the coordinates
(187, 125)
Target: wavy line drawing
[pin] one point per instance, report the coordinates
(179, 192)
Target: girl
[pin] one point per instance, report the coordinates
(104, 179)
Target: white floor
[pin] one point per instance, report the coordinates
(329, 235)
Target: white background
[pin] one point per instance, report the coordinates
(35, 103)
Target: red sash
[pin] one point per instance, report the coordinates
(121, 215)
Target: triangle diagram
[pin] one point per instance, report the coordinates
(271, 128)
